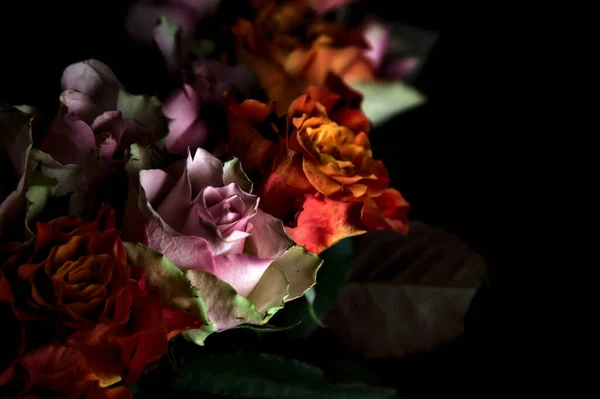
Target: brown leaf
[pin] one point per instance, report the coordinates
(407, 294)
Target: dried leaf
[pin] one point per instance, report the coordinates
(407, 294)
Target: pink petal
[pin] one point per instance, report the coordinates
(156, 183)
(183, 107)
(203, 170)
(176, 206)
(402, 68)
(71, 141)
(80, 104)
(269, 238)
(107, 147)
(378, 38)
(240, 271)
(188, 253)
(143, 17)
(95, 79)
(190, 139)
(110, 122)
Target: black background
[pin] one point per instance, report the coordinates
(448, 157)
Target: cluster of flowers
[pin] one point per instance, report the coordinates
(131, 221)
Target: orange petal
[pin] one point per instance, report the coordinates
(282, 192)
(251, 111)
(389, 211)
(324, 221)
(354, 119)
(320, 181)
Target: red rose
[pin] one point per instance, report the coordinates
(76, 283)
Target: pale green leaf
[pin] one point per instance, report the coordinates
(300, 268)
(234, 173)
(271, 291)
(146, 110)
(226, 308)
(385, 100)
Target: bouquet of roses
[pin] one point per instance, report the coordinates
(129, 223)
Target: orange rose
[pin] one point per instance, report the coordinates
(337, 161)
(77, 274)
(323, 181)
(57, 371)
(290, 47)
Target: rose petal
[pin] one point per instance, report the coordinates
(377, 36)
(401, 68)
(269, 238)
(186, 131)
(107, 147)
(324, 221)
(80, 104)
(203, 170)
(71, 141)
(386, 211)
(241, 271)
(110, 122)
(95, 79)
(156, 183)
(175, 206)
(188, 253)
(321, 181)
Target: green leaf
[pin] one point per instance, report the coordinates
(234, 173)
(172, 284)
(248, 375)
(146, 110)
(317, 301)
(48, 179)
(226, 308)
(407, 294)
(384, 100)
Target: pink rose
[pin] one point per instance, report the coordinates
(97, 122)
(201, 215)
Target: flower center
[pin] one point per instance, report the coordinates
(228, 210)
